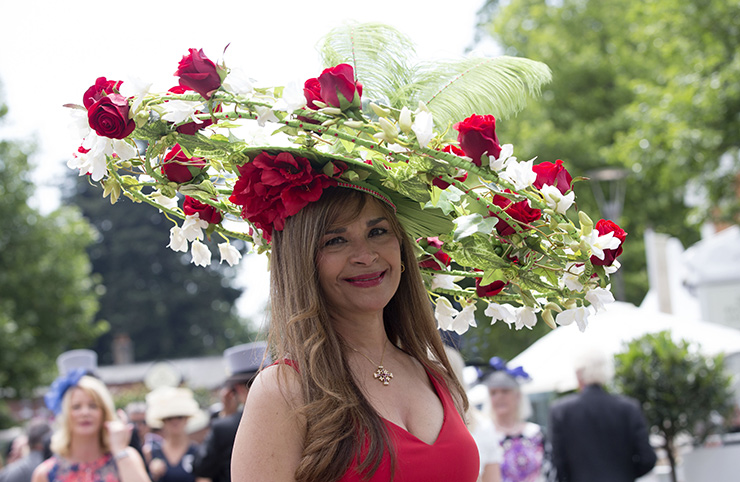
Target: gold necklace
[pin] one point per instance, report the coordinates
(381, 374)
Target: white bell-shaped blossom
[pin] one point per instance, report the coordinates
(201, 254)
(579, 315)
(229, 254)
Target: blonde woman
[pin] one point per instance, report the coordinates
(91, 443)
(364, 390)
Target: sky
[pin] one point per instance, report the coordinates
(53, 51)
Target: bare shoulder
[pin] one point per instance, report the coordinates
(41, 472)
(269, 442)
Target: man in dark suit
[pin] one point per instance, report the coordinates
(214, 456)
(597, 436)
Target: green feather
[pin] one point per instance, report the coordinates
(380, 55)
(454, 90)
(384, 62)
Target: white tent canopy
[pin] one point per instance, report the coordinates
(549, 361)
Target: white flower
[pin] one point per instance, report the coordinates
(237, 82)
(292, 99)
(164, 201)
(613, 268)
(519, 174)
(444, 313)
(124, 149)
(503, 158)
(201, 254)
(192, 227)
(445, 281)
(525, 316)
(404, 120)
(96, 160)
(178, 241)
(423, 127)
(229, 254)
(579, 315)
(599, 298)
(79, 123)
(464, 319)
(598, 244)
(136, 88)
(505, 313)
(265, 115)
(556, 200)
(570, 277)
(177, 111)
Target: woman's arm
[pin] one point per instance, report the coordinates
(40, 474)
(128, 461)
(491, 473)
(269, 442)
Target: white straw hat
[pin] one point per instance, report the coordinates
(167, 402)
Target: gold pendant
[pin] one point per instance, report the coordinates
(383, 375)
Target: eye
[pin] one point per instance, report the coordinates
(377, 232)
(334, 241)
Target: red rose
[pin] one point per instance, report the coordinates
(338, 87)
(603, 227)
(489, 290)
(206, 212)
(553, 175)
(100, 89)
(177, 167)
(197, 72)
(312, 92)
(477, 136)
(109, 117)
(433, 261)
(272, 188)
(461, 178)
(520, 211)
(192, 128)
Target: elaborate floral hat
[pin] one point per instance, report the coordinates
(418, 135)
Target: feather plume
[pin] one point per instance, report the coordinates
(380, 55)
(454, 90)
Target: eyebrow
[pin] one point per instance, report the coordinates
(370, 224)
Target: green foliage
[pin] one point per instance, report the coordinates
(169, 307)
(649, 87)
(47, 293)
(680, 389)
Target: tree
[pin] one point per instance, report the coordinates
(648, 87)
(168, 307)
(48, 295)
(681, 390)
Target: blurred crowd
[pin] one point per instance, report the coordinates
(168, 437)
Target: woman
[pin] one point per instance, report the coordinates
(523, 443)
(171, 458)
(364, 388)
(91, 443)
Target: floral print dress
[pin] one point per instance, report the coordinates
(59, 469)
(525, 456)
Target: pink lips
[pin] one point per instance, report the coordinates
(367, 280)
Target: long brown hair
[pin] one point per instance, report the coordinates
(337, 414)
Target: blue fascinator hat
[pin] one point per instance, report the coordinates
(500, 375)
(53, 398)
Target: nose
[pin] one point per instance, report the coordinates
(363, 253)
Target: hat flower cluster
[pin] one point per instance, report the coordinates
(491, 231)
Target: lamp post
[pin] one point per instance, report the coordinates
(608, 186)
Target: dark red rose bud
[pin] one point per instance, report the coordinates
(108, 117)
(178, 167)
(206, 212)
(477, 136)
(198, 72)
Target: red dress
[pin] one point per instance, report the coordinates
(453, 457)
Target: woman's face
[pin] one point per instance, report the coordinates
(85, 415)
(504, 401)
(359, 263)
(174, 425)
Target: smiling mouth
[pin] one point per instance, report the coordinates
(366, 277)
